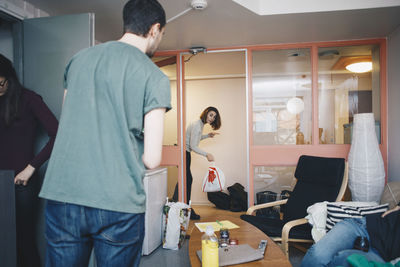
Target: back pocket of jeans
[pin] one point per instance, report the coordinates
(121, 227)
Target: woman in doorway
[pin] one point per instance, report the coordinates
(21, 113)
(193, 137)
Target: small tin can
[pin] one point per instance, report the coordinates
(233, 242)
(223, 237)
(224, 233)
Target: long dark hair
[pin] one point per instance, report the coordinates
(216, 124)
(9, 102)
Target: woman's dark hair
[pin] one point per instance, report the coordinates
(140, 15)
(216, 124)
(9, 102)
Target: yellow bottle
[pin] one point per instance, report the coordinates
(209, 248)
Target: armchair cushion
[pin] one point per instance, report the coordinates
(300, 199)
(273, 227)
(318, 179)
(327, 171)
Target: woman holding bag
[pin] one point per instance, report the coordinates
(22, 112)
(193, 137)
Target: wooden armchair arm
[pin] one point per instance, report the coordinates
(285, 233)
(252, 209)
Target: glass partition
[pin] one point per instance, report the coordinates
(173, 175)
(344, 92)
(282, 102)
(274, 179)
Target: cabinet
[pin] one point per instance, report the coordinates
(155, 185)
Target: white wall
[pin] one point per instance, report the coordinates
(393, 66)
(229, 147)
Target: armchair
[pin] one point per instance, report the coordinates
(318, 179)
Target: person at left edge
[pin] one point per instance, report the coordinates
(21, 112)
(111, 128)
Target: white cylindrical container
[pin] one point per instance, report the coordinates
(155, 186)
(366, 169)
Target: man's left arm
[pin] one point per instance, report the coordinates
(153, 137)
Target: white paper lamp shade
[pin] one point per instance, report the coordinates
(366, 168)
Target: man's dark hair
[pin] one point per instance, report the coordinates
(140, 15)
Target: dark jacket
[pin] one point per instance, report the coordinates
(17, 141)
(384, 234)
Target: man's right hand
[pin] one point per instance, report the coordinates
(390, 211)
(212, 134)
(210, 157)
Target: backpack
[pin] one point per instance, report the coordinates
(238, 197)
(220, 199)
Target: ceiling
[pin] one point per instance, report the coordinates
(273, 7)
(225, 23)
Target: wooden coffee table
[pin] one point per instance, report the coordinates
(246, 234)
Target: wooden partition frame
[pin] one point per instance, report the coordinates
(171, 155)
(288, 155)
(276, 155)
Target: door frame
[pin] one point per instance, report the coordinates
(175, 155)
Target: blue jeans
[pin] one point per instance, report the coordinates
(337, 245)
(73, 230)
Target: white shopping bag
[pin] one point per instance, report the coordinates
(176, 217)
(214, 180)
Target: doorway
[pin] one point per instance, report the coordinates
(219, 79)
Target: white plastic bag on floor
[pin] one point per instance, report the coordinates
(176, 217)
(214, 180)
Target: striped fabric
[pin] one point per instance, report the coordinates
(336, 212)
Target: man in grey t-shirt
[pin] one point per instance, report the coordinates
(111, 128)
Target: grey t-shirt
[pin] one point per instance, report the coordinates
(194, 136)
(97, 156)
